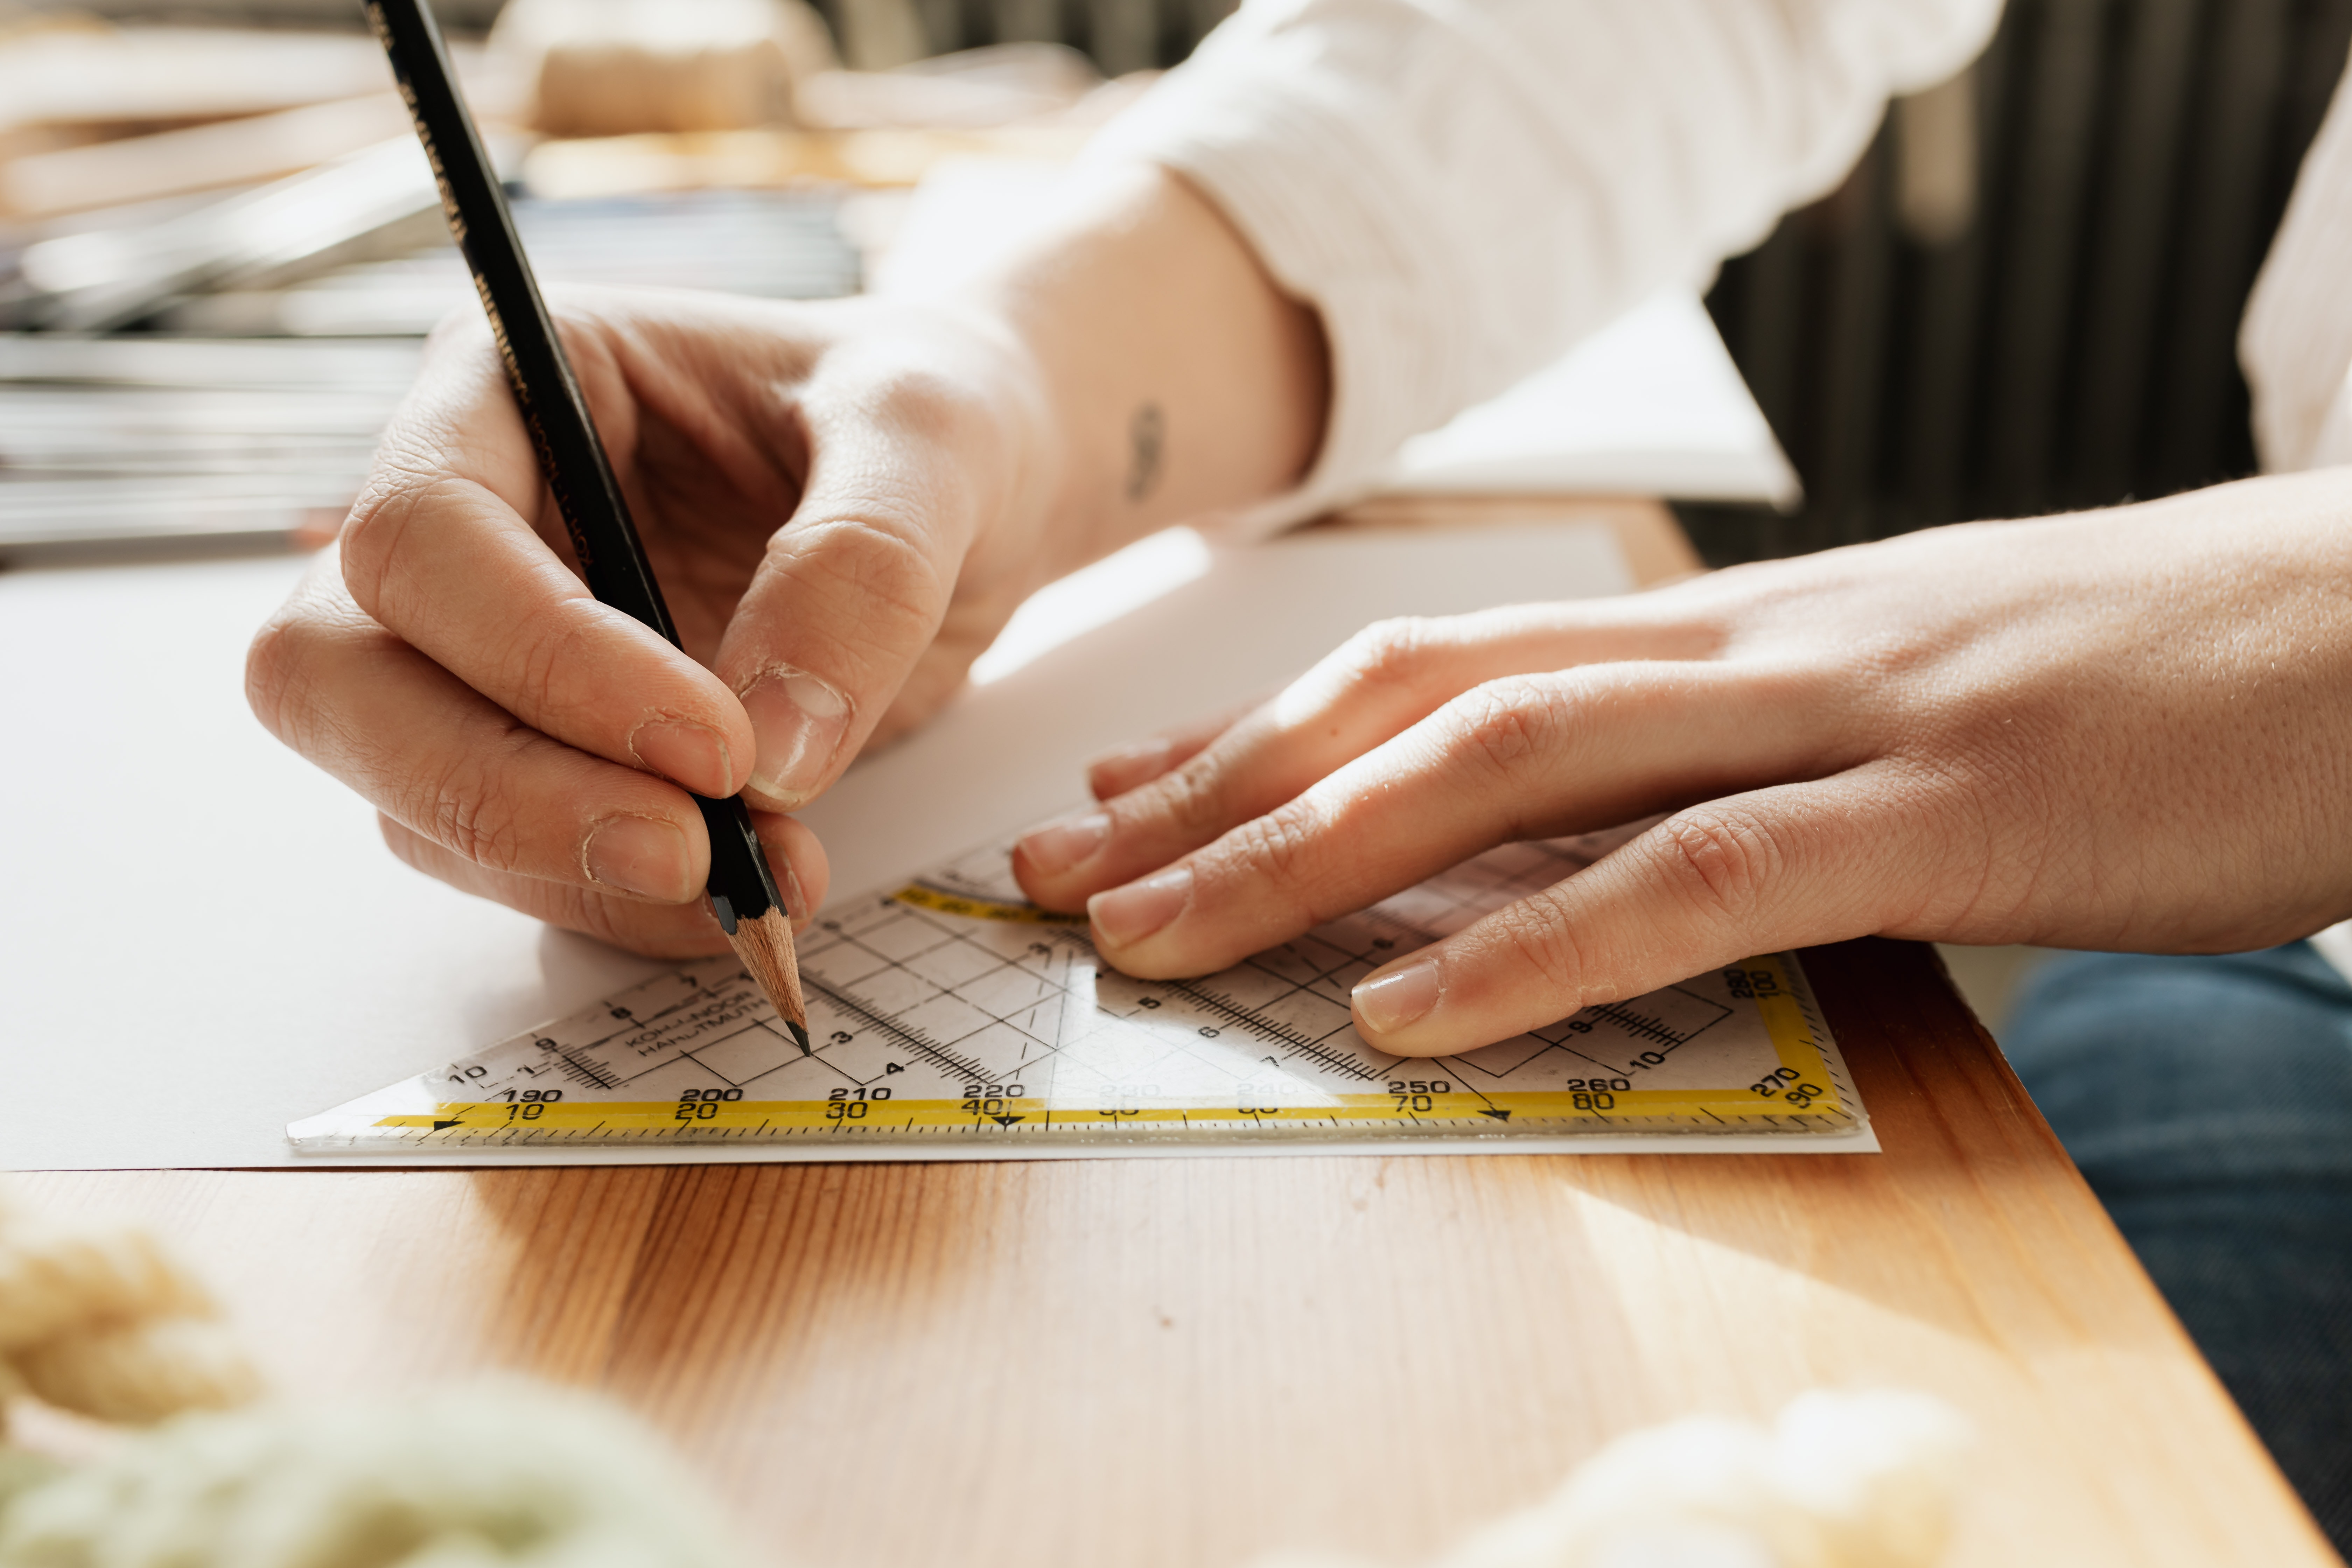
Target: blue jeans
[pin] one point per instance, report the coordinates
(2208, 1100)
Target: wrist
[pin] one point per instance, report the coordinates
(1176, 377)
(1045, 508)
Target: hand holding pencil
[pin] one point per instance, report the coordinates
(605, 549)
(840, 502)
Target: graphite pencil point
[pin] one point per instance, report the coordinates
(765, 946)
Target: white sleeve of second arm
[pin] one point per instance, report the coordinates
(1465, 188)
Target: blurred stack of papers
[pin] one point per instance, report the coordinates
(161, 440)
(775, 244)
(158, 440)
(149, 439)
(248, 218)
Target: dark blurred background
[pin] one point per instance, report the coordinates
(2073, 344)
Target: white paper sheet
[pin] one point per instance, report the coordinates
(305, 967)
(1651, 405)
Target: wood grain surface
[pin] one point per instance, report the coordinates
(1197, 1361)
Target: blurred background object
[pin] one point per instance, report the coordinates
(232, 196)
(225, 152)
(145, 440)
(2025, 297)
(117, 274)
(600, 67)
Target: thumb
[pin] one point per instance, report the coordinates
(852, 590)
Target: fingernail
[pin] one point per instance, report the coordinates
(1127, 915)
(796, 904)
(638, 854)
(693, 754)
(1394, 998)
(1058, 845)
(799, 722)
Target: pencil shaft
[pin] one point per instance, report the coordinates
(578, 473)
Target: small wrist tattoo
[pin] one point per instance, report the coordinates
(1147, 434)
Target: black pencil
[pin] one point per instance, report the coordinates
(743, 890)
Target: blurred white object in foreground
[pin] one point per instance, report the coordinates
(1842, 1480)
(99, 1320)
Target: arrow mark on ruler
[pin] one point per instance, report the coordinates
(1493, 1110)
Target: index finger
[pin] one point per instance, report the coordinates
(1388, 678)
(442, 550)
(1527, 757)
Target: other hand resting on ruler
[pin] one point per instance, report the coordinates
(2123, 730)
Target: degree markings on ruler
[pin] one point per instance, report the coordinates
(1643, 1028)
(1271, 1030)
(914, 1039)
(601, 1072)
(952, 988)
(570, 1065)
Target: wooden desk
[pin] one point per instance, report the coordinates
(1195, 1361)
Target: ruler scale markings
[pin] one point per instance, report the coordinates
(1637, 1026)
(912, 1039)
(931, 984)
(1271, 1030)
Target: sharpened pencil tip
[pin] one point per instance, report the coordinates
(765, 946)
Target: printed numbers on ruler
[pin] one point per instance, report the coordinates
(953, 1010)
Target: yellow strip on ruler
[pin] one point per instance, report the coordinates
(1803, 1090)
(992, 1115)
(923, 896)
(1796, 1044)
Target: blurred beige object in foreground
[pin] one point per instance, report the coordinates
(101, 1321)
(225, 153)
(608, 68)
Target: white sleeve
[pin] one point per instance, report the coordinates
(1463, 188)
